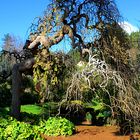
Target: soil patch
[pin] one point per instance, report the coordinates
(85, 132)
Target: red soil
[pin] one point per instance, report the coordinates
(84, 132)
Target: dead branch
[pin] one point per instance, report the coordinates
(127, 99)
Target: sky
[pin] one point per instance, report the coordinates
(16, 16)
(130, 11)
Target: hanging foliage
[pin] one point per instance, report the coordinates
(47, 71)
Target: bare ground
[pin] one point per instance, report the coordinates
(85, 132)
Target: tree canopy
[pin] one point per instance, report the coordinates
(90, 24)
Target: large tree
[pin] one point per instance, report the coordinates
(88, 24)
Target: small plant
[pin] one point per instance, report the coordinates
(88, 117)
(35, 129)
(100, 111)
(15, 130)
(11, 129)
(56, 126)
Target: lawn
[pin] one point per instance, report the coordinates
(35, 109)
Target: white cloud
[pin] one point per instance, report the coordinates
(128, 27)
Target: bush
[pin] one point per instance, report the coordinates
(99, 111)
(5, 95)
(29, 98)
(11, 129)
(56, 126)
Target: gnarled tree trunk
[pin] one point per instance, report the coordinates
(17, 71)
(26, 66)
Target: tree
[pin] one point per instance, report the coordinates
(135, 47)
(83, 22)
(12, 43)
(9, 54)
(7, 42)
(135, 39)
(90, 25)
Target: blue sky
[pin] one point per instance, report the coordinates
(16, 16)
(130, 10)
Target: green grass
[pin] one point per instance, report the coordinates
(34, 109)
(31, 109)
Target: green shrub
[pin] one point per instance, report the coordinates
(29, 98)
(50, 108)
(5, 95)
(99, 111)
(88, 116)
(15, 130)
(11, 129)
(56, 126)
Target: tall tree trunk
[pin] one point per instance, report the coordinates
(16, 83)
(17, 71)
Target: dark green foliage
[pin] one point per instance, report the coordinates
(51, 108)
(135, 39)
(88, 116)
(29, 98)
(98, 110)
(75, 55)
(5, 95)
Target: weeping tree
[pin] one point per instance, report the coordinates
(89, 25)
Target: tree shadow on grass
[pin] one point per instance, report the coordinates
(31, 118)
(34, 117)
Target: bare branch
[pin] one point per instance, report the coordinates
(49, 41)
